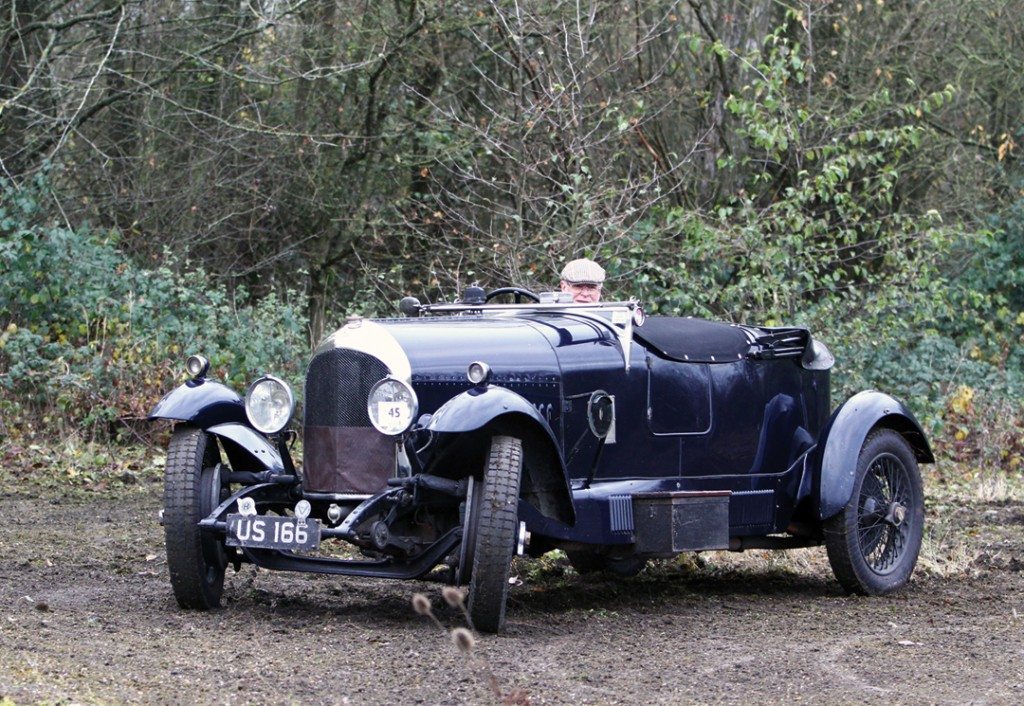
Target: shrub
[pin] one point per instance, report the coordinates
(819, 237)
(89, 339)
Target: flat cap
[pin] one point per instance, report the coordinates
(583, 271)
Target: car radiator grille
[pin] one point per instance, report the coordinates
(337, 384)
(343, 453)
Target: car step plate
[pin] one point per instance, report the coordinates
(272, 532)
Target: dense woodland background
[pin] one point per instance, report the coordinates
(236, 176)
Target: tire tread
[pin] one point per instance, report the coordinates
(495, 534)
(841, 535)
(190, 451)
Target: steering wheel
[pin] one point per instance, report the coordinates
(519, 293)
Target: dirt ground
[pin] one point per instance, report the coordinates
(88, 617)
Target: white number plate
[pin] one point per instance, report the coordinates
(272, 532)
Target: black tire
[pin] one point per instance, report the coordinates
(594, 562)
(874, 542)
(492, 533)
(192, 490)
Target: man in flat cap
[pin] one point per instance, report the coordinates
(583, 279)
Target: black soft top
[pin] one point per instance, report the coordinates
(695, 340)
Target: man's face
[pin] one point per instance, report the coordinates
(582, 292)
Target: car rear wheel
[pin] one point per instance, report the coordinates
(192, 490)
(874, 541)
(491, 532)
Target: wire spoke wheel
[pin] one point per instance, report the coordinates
(882, 528)
(873, 543)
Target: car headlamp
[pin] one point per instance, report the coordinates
(269, 404)
(392, 406)
(478, 372)
(197, 366)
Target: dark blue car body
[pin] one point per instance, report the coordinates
(629, 439)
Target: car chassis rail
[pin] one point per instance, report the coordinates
(279, 493)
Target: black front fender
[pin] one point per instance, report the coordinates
(248, 448)
(475, 414)
(202, 403)
(844, 437)
(218, 410)
(478, 407)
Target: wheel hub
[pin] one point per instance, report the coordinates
(897, 514)
(380, 534)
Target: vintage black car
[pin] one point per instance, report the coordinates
(449, 440)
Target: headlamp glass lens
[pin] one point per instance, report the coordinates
(392, 406)
(197, 365)
(269, 404)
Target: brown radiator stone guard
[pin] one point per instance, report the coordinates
(347, 460)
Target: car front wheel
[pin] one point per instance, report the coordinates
(192, 490)
(491, 532)
(874, 541)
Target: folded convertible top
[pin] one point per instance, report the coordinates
(695, 340)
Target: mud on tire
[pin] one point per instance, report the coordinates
(493, 532)
(192, 490)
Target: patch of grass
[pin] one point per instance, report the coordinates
(955, 497)
(810, 561)
(74, 467)
(965, 482)
(998, 488)
(551, 569)
(947, 553)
